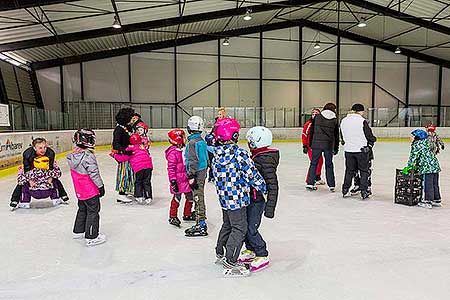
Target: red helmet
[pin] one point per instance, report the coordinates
(431, 128)
(176, 136)
(135, 139)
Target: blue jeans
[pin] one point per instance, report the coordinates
(329, 168)
(254, 241)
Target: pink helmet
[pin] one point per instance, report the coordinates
(227, 129)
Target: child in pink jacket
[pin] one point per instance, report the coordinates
(88, 186)
(179, 182)
(142, 165)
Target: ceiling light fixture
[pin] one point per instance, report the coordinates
(248, 15)
(398, 50)
(226, 42)
(317, 45)
(362, 23)
(116, 23)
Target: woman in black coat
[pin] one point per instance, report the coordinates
(121, 140)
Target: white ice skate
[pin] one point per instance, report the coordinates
(425, 205)
(124, 199)
(140, 200)
(436, 203)
(237, 270)
(77, 236)
(148, 201)
(100, 239)
(259, 263)
(23, 205)
(219, 259)
(246, 256)
(320, 182)
(56, 201)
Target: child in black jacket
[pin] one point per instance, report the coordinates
(266, 161)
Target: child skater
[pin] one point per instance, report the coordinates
(38, 148)
(423, 159)
(196, 156)
(266, 161)
(306, 137)
(234, 174)
(88, 186)
(179, 182)
(436, 142)
(142, 165)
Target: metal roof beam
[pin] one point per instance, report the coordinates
(400, 15)
(20, 4)
(186, 19)
(238, 32)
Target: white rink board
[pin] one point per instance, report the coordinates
(321, 246)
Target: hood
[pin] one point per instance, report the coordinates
(226, 153)
(194, 136)
(271, 153)
(173, 148)
(75, 158)
(328, 114)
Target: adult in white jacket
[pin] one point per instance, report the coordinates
(357, 138)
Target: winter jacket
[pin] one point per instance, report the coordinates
(140, 159)
(436, 144)
(85, 173)
(121, 140)
(234, 174)
(423, 158)
(306, 133)
(196, 154)
(176, 169)
(40, 177)
(266, 162)
(356, 133)
(30, 154)
(325, 131)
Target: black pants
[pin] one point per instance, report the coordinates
(357, 180)
(431, 182)
(143, 184)
(329, 168)
(210, 171)
(232, 234)
(88, 219)
(356, 162)
(17, 193)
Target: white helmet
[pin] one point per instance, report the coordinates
(259, 137)
(195, 123)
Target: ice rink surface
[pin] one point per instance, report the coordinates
(321, 245)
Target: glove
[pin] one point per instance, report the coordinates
(365, 149)
(193, 184)
(101, 190)
(305, 149)
(269, 212)
(174, 185)
(335, 151)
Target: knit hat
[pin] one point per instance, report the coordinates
(358, 107)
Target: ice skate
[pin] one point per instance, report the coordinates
(140, 200)
(259, 263)
(65, 199)
(219, 259)
(13, 205)
(175, 222)
(246, 256)
(332, 189)
(56, 201)
(100, 239)
(77, 236)
(320, 182)
(311, 187)
(425, 204)
(234, 269)
(436, 203)
(197, 230)
(355, 190)
(25, 205)
(346, 193)
(190, 218)
(124, 199)
(148, 201)
(365, 195)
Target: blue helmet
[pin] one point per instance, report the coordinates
(210, 138)
(420, 134)
(259, 137)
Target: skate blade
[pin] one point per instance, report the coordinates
(96, 244)
(260, 268)
(245, 261)
(229, 273)
(195, 235)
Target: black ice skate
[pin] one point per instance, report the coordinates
(311, 187)
(365, 195)
(175, 222)
(196, 230)
(355, 190)
(191, 218)
(13, 205)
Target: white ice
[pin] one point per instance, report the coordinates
(321, 245)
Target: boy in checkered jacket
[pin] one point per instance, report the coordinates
(234, 174)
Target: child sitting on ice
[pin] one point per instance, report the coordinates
(179, 182)
(234, 174)
(38, 182)
(423, 159)
(142, 165)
